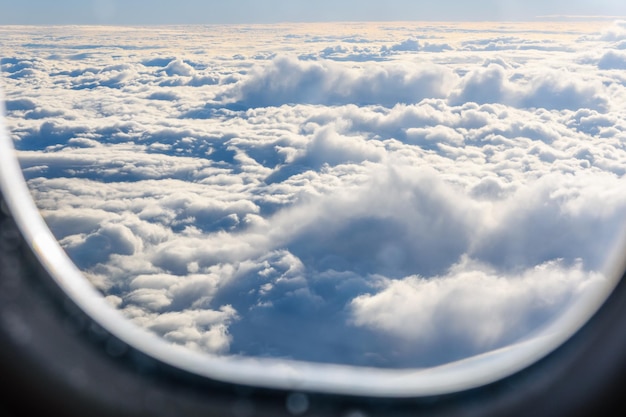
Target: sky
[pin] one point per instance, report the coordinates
(141, 12)
(377, 194)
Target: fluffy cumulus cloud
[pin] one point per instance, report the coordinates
(379, 194)
(471, 308)
(551, 89)
(616, 32)
(287, 80)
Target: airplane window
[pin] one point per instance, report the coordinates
(391, 201)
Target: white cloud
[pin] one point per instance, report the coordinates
(616, 32)
(551, 90)
(472, 305)
(612, 60)
(415, 45)
(287, 80)
(202, 330)
(178, 67)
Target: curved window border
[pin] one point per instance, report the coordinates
(272, 373)
(57, 358)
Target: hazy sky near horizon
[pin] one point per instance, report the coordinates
(119, 12)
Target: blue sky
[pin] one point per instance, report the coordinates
(251, 11)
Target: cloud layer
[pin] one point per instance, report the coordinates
(388, 195)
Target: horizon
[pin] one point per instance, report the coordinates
(536, 19)
(160, 12)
